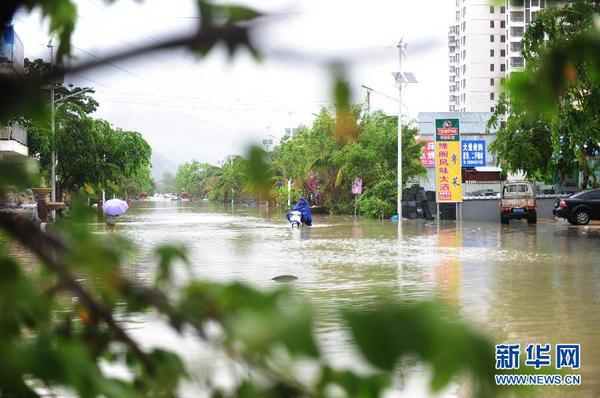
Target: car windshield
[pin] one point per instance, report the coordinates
(520, 188)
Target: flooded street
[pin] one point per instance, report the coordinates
(521, 284)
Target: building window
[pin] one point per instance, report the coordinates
(492, 109)
(502, 67)
(503, 53)
(503, 24)
(502, 80)
(492, 96)
(491, 38)
(535, 3)
(491, 53)
(492, 81)
(464, 11)
(491, 67)
(502, 124)
(502, 39)
(492, 23)
(491, 9)
(502, 10)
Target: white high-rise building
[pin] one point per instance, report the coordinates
(484, 46)
(520, 13)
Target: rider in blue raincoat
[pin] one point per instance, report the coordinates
(304, 208)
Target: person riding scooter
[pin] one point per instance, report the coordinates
(299, 214)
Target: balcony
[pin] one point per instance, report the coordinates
(13, 141)
(517, 62)
(517, 16)
(517, 31)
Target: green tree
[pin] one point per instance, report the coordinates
(552, 125)
(196, 178)
(371, 155)
(166, 183)
(134, 185)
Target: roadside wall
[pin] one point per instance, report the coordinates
(489, 209)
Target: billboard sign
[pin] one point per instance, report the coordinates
(473, 153)
(428, 154)
(448, 161)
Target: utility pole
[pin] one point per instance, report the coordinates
(399, 206)
(52, 111)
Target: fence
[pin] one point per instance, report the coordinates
(14, 132)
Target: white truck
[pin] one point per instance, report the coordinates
(517, 201)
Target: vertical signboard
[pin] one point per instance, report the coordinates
(428, 154)
(448, 161)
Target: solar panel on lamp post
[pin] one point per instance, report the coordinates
(401, 78)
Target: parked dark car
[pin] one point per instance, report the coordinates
(580, 208)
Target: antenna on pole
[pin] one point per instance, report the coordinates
(402, 79)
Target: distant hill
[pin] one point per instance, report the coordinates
(161, 165)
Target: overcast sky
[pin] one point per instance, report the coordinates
(207, 109)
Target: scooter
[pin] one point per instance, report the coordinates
(295, 219)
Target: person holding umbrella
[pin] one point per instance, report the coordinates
(113, 208)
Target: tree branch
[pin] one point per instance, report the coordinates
(42, 244)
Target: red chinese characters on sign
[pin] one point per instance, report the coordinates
(428, 154)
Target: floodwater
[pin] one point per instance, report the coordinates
(518, 283)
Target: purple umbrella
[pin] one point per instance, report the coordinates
(114, 207)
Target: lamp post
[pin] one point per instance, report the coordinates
(401, 79)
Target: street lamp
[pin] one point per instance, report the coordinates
(401, 79)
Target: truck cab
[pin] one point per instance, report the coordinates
(517, 201)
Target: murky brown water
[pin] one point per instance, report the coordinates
(522, 284)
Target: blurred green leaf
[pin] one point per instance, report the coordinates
(259, 176)
(18, 173)
(390, 331)
(167, 255)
